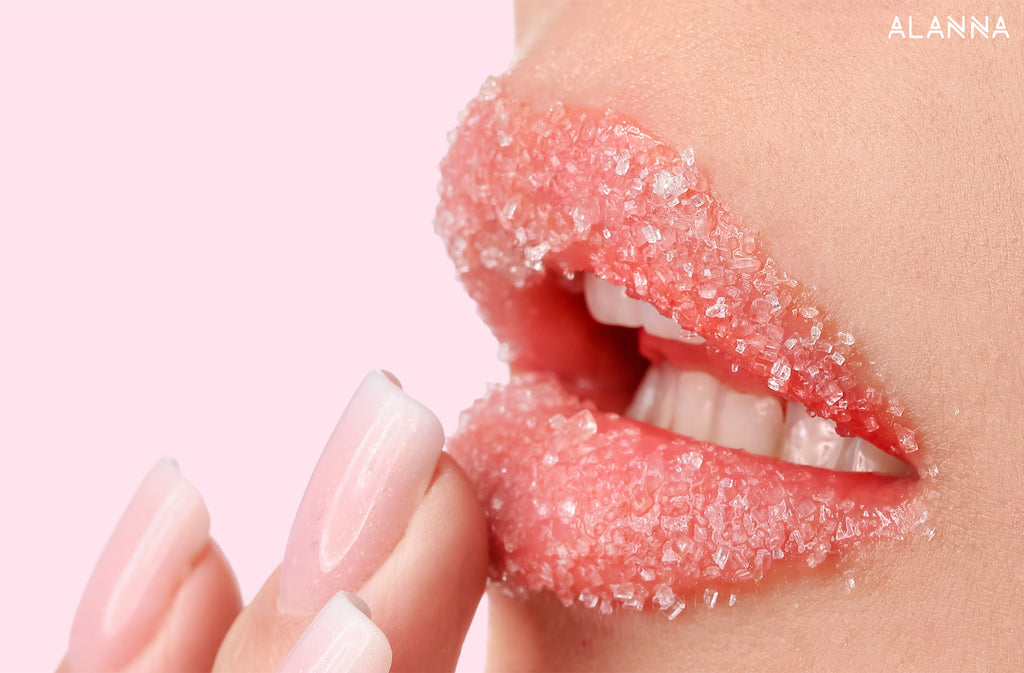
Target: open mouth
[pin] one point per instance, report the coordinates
(681, 416)
(692, 392)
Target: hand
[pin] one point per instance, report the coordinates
(386, 514)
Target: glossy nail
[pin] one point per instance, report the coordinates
(341, 639)
(371, 476)
(149, 554)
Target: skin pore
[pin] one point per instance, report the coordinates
(886, 175)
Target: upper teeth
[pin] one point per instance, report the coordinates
(610, 305)
(697, 405)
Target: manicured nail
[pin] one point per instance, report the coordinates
(340, 639)
(371, 476)
(150, 553)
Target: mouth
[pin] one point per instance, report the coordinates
(682, 418)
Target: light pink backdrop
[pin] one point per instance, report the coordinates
(214, 218)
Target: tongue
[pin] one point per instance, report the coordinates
(690, 357)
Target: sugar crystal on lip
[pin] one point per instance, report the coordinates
(588, 599)
(651, 234)
(530, 191)
(668, 185)
(567, 510)
(829, 391)
(780, 372)
(508, 211)
(535, 255)
(707, 291)
(664, 596)
(489, 89)
(717, 310)
(629, 595)
(761, 310)
(906, 439)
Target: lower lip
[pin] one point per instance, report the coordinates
(609, 512)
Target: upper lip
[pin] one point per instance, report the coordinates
(704, 270)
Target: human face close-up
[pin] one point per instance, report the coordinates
(881, 177)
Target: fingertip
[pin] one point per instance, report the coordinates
(369, 479)
(341, 639)
(150, 553)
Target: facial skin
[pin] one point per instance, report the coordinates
(886, 175)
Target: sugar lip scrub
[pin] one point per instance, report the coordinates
(583, 501)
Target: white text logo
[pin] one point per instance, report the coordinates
(962, 27)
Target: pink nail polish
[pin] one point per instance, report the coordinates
(149, 554)
(341, 639)
(371, 476)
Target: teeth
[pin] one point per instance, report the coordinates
(697, 405)
(749, 422)
(609, 305)
(658, 325)
(646, 396)
(663, 411)
(810, 440)
(860, 456)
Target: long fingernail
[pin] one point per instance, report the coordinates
(340, 639)
(165, 526)
(372, 474)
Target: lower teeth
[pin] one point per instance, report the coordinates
(699, 406)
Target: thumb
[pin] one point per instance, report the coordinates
(425, 594)
(385, 514)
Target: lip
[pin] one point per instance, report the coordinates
(595, 507)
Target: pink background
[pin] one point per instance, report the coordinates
(214, 218)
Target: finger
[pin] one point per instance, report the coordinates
(341, 639)
(425, 594)
(365, 513)
(162, 595)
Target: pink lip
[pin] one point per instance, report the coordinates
(595, 507)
